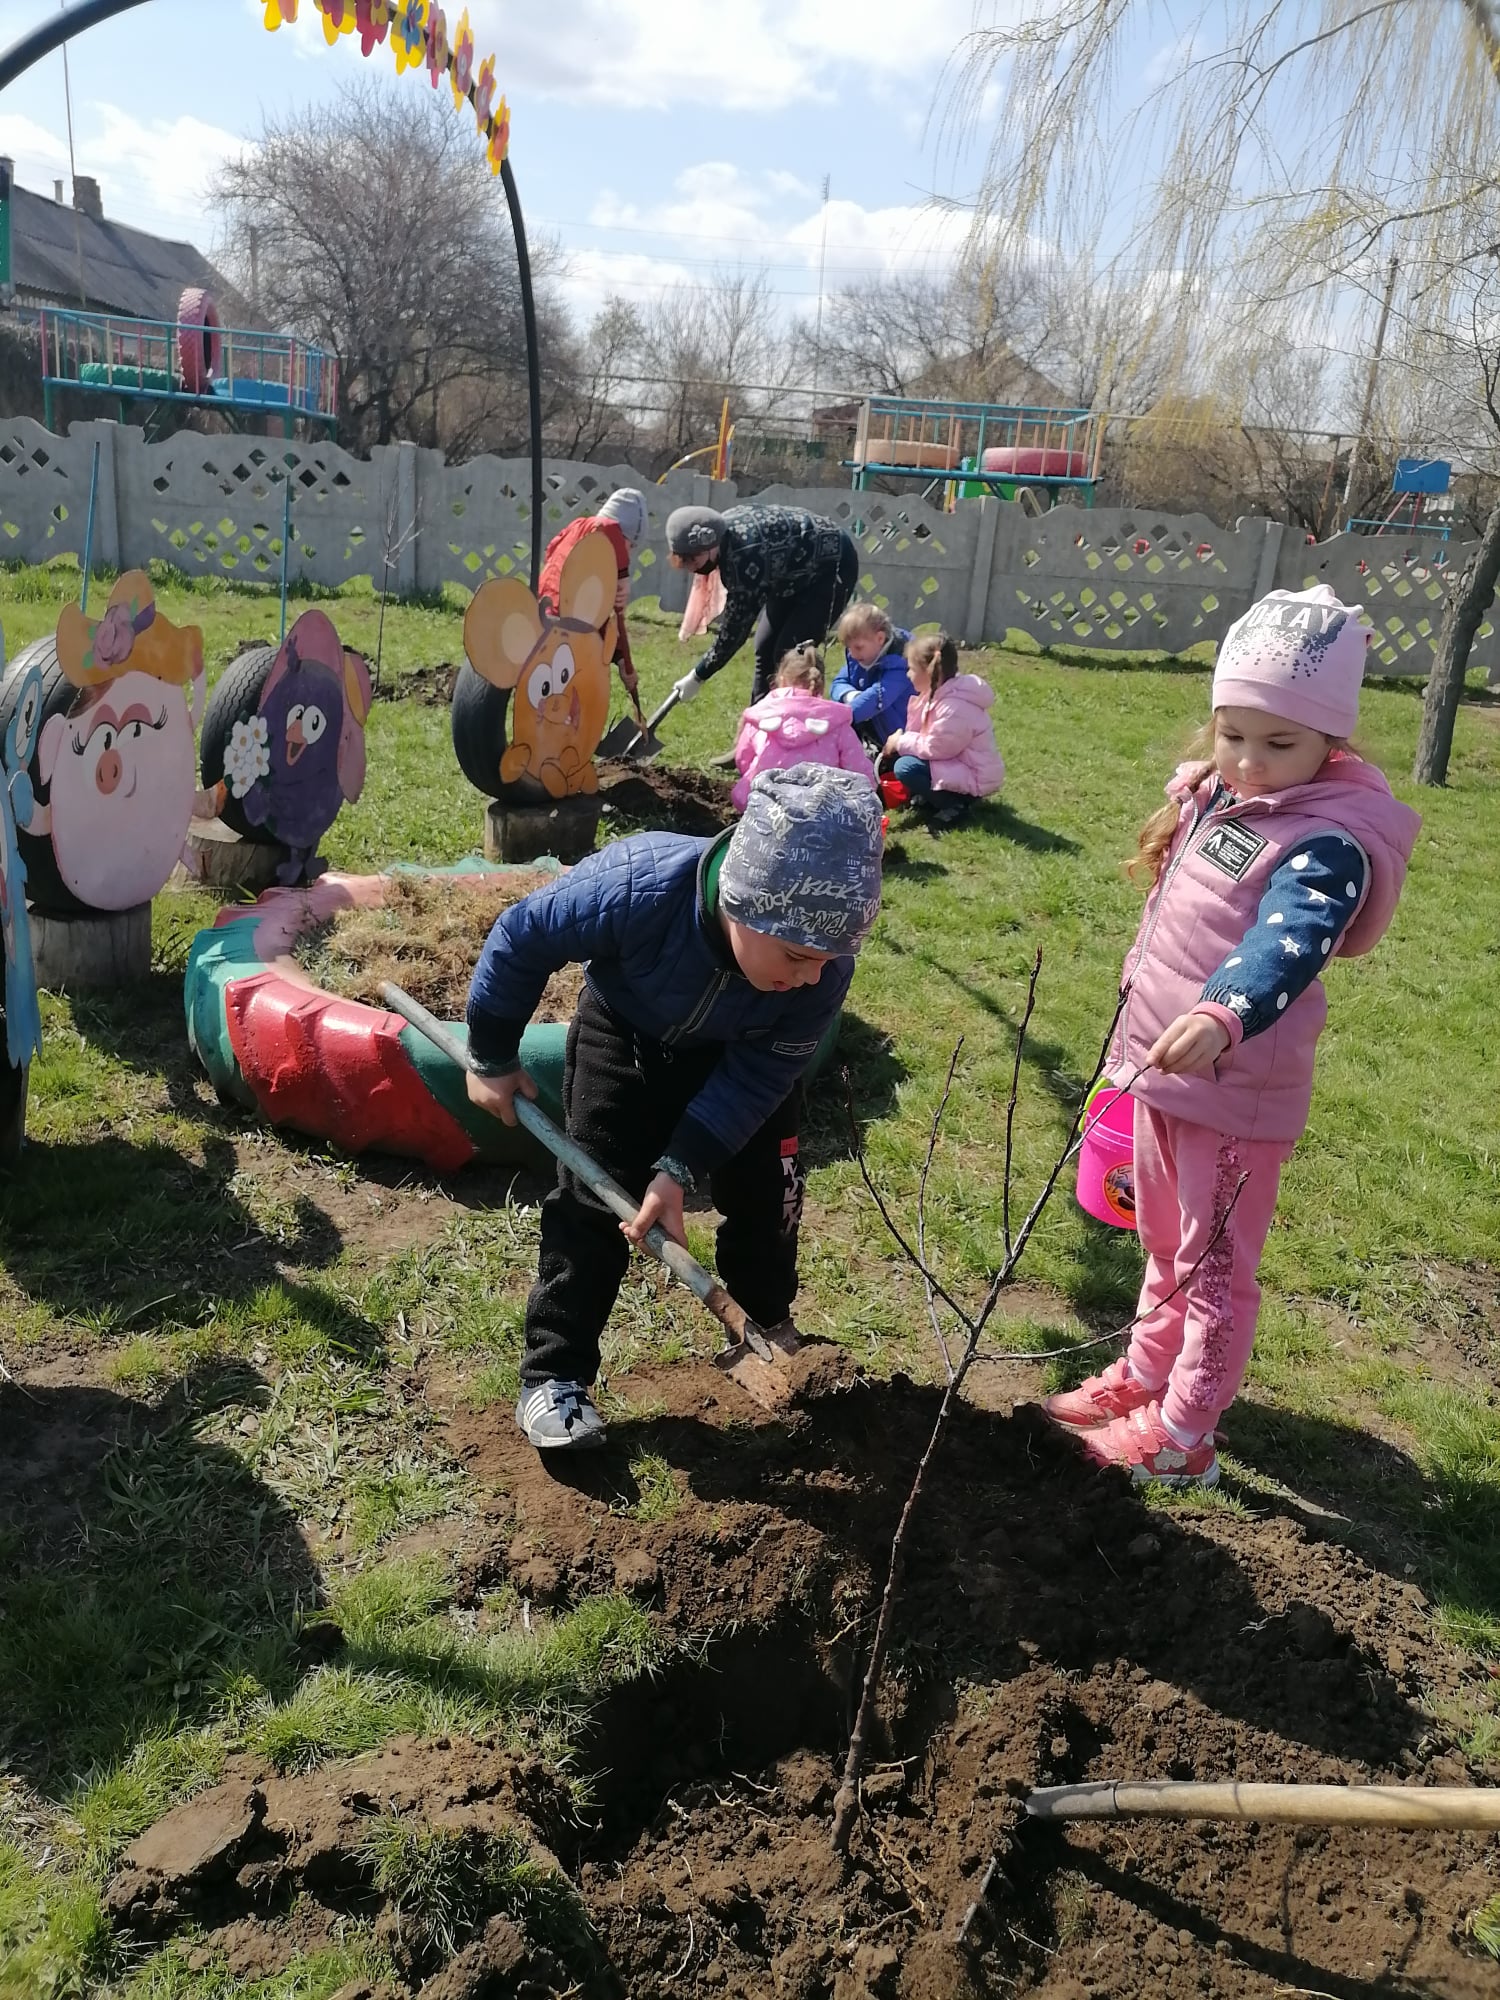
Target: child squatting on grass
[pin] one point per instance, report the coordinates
(874, 686)
(712, 970)
(1281, 849)
(947, 745)
(795, 724)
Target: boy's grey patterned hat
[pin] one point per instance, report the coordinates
(803, 865)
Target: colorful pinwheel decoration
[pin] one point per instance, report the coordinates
(409, 35)
(437, 44)
(461, 69)
(418, 33)
(372, 18)
(338, 18)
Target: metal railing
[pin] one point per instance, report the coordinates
(111, 354)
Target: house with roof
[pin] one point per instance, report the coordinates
(74, 258)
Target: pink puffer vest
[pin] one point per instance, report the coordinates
(1218, 869)
(790, 726)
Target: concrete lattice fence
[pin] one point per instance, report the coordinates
(1113, 578)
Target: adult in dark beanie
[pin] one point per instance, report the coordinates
(787, 576)
(713, 969)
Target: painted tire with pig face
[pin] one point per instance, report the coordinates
(115, 768)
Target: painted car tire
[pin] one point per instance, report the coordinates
(336, 1069)
(199, 344)
(235, 698)
(46, 890)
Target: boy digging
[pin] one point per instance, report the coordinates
(713, 969)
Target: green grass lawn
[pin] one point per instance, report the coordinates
(268, 1301)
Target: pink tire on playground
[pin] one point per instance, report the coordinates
(199, 345)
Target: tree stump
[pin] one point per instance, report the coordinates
(225, 860)
(100, 948)
(564, 828)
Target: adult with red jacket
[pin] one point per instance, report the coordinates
(623, 520)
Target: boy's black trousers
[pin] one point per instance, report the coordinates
(623, 1094)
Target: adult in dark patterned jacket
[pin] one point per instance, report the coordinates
(787, 576)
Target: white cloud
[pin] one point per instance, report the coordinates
(755, 54)
(151, 173)
(169, 163)
(727, 219)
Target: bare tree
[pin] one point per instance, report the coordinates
(602, 369)
(1288, 158)
(380, 234)
(702, 343)
(970, 336)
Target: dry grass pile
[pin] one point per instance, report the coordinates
(426, 937)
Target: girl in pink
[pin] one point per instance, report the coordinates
(793, 724)
(1281, 849)
(948, 745)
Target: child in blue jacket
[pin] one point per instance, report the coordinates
(874, 683)
(712, 970)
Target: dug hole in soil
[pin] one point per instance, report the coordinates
(1052, 1628)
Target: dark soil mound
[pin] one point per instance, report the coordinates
(1052, 1628)
(668, 796)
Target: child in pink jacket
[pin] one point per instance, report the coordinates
(1281, 850)
(948, 744)
(794, 724)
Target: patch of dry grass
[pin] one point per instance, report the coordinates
(426, 937)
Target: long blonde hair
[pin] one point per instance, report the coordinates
(1155, 838)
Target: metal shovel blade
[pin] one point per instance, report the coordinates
(766, 1378)
(637, 742)
(627, 741)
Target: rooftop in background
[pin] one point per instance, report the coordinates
(56, 249)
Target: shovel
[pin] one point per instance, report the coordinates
(637, 742)
(756, 1363)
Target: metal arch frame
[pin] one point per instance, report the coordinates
(61, 28)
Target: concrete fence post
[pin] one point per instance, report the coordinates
(1270, 556)
(408, 525)
(984, 565)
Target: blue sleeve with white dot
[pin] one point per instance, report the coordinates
(1302, 915)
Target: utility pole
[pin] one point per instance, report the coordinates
(818, 332)
(255, 270)
(1356, 451)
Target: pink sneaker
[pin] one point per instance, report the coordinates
(1099, 1400)
(1143, 1445)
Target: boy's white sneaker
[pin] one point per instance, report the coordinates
(559, 1416)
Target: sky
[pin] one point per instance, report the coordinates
(656, 140)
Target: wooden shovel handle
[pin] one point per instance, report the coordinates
(1304, 1805)
(680, 1262)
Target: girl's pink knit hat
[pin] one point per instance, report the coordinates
(1298, 654)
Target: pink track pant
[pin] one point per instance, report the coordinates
(1196, 1347)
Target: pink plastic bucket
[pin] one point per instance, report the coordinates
(1106, 1171)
